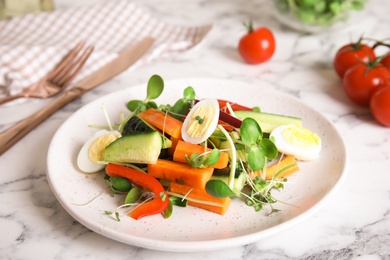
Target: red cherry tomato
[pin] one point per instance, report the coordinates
(380, 105)
(351, 54)
(386, 61)
(363, 79)
(257, 46)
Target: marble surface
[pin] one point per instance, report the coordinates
(353, 224)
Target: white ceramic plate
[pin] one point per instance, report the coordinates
(192, 229)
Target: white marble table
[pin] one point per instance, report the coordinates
(353, 224)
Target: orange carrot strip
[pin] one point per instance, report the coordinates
(172, 149)
(162, 121)
(180, 172)
(288, 165)
(184, 148)
(201, 194)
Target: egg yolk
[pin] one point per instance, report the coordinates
(97, 148)
(301, 137)
(200, 121)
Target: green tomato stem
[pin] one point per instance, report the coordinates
(249, 26)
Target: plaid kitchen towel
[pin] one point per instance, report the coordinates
(31, 45)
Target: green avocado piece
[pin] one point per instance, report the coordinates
(136, 148)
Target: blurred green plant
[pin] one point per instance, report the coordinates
(319, 12)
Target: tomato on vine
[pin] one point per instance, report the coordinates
(386, 61)
(363, 79)
(380, 105)
(258, 45)
(351, 54)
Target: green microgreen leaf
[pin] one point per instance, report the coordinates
(133, 195)
(256, 109)
(119, 184)
(133, 105)
(218, 189)
(167, 213)
(155, 87)
(250, 131)
(176, 201)
(213, 157)
(258, 206)
(189, 93)
(195, 160)
(179, 109)
(202, 160)
(163, 196)
(107, 212)
(256, 159)
(269, 148)
(151, 104)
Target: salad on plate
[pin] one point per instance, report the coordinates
(195, 153)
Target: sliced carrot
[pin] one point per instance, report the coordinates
(184, 148)
(162, 121)
(220, 205)
(288, 165)
(180, 172)
(171, 149)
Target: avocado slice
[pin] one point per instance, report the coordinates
(136, 148)
(136, 125)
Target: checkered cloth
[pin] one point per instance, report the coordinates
(31, 45)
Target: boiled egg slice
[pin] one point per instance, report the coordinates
(93, 149)
(298, 141)
(201, 121)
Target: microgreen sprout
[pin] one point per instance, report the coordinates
(91, 200)
(201, 160)
(134, 195)
(260, 193)
(155, 87)
(118, 184)
(126, 205)
(258, 149)
(182, 105)
(260, 189)
(233, 155)
(218, 189)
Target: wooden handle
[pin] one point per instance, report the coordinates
(10, 98)
(16, 132)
